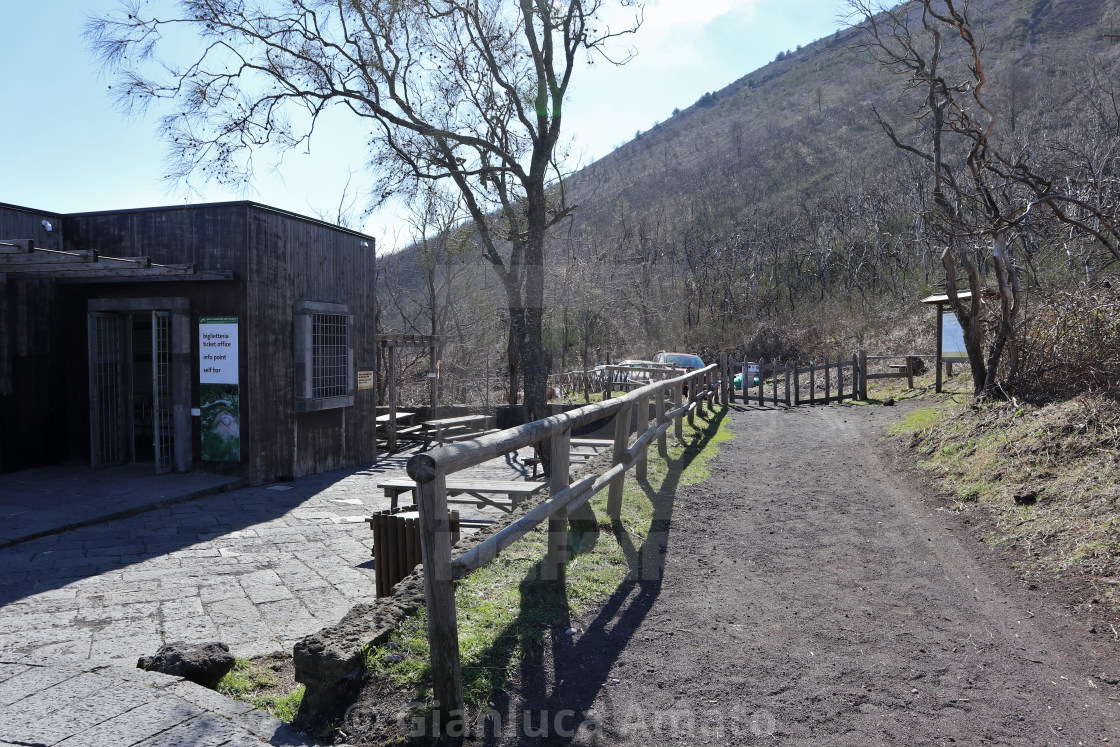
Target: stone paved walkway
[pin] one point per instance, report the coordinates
(256, 568)
(87, 705)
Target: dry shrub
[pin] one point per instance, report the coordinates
(772, 342)
(1070, 344)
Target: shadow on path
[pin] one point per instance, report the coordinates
(542, 629)
(60, 558)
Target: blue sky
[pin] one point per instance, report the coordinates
(67, 149)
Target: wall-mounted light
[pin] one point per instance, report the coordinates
(364, 244)
(47, 225)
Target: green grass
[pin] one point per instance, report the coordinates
(258, 684)
(1043, 480)
(919, 420)
(506, 611)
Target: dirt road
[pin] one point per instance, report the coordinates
(813, 593)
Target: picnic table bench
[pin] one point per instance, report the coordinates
(393, 432)
(595, 443)
(481, 492)
(442, 430)
(575, 455)
(384, 421)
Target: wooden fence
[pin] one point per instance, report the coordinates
(789, 384)
(607, 379)
(430, 470)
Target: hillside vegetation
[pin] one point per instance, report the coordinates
(776, 218)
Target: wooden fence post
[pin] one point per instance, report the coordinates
(621, 441)
(839, 380)
(439, 593)
(640, 469)
(774, 389)
(761, 393)
(724, 380)
(910, 372)
(559, 478)
(746, 386)
(827, 378)
(678, 427)
(796, 385)
(786, 372)
(659, 415)
(855, 376)
(812, 382)
(699, 394)
(392, 399)
(688, 400)
(863, 375)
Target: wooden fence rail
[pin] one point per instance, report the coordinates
(903, 370)
(430, 470)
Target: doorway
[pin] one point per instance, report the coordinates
(136, 394)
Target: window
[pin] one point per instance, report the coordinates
(329, 340)
(324, 356)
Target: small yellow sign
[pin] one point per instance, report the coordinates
(365, 379)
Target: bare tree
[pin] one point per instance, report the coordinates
(467, 93)
(979, 192)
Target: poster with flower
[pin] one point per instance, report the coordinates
(219, 392)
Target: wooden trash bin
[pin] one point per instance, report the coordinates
(396, 544)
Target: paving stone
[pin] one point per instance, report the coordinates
(141, 722)
(30, 681)
(41, 704)
(109, 702)
(9, 670)
(204, 730)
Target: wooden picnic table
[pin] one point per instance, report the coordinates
(441, 429)
(385, 419)
(481, 492)
(401, 429)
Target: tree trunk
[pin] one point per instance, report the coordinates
(513, 352)
(533, 360)
(1007, 334)
(969, 318)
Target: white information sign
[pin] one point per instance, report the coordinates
(952, 338)
(219, 395)
(217, 350)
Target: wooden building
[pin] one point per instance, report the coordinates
(225, 337)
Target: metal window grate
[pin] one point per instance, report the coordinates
(329, 359)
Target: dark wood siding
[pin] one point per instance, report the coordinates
(292, 260)
(277, 259)
(211, 237)
(25, 223)
(28, 368)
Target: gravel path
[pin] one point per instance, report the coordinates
(814, 594)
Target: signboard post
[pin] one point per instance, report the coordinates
(219, 394)
(950, 336)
